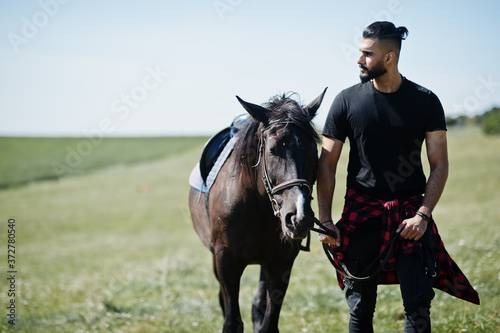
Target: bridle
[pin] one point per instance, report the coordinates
(270, 189)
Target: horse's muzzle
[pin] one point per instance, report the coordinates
(298, 225)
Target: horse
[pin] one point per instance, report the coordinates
(259, 207)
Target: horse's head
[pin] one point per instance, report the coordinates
(287, 160)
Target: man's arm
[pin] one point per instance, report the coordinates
(437, 154)
(330, 154)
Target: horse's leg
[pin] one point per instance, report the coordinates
(277, 285)
(221, 300)
(229, 271)
(259, 303)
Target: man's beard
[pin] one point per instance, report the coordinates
(378, 70)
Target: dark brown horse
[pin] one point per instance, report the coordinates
(260, 207)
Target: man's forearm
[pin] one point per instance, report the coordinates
(437, 153)
(327, 167)
(434, 188)
(325, 189)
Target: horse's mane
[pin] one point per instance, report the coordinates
(282, 108)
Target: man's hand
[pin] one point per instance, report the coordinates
(413, 228)
(329, 239)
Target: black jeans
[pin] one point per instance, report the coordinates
(415, 285)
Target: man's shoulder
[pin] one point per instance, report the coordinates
(354, 90)
(417, 88)
(356, 87)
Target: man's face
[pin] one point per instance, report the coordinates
(371, 60)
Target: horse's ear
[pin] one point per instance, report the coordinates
(315, 104)
(258, 112)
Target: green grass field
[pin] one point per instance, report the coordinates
(24, 160)
(109, 246)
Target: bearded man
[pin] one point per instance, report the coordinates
(387, 118)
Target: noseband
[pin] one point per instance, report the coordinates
(270, 189)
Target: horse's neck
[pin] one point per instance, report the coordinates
(248, 181)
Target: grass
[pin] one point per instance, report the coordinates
(23, 160)
(113, 250)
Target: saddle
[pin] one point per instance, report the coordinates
(214, 147)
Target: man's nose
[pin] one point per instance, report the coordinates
(361, 60)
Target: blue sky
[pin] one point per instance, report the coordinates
(122, 68)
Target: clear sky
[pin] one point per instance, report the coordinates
(164, 67)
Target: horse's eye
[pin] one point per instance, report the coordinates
(275, 150)
(279, 149)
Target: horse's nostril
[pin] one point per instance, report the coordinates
(290, 219)
(298, 222)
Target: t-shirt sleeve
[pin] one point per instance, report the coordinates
(336, 120)
(436, 120)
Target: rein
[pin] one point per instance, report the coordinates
(341, 268)
(272, 190)
(328, 249)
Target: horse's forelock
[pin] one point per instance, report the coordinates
(282, 108)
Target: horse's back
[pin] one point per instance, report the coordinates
(199, 217)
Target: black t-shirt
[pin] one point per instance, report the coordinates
(386, 132)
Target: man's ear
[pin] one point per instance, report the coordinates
(390, 57)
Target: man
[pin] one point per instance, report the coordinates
(387, 118)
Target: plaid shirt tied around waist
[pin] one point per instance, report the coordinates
(360, 207)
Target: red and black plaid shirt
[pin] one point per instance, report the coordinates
(361, 207)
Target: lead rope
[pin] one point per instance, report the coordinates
(342, 269)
